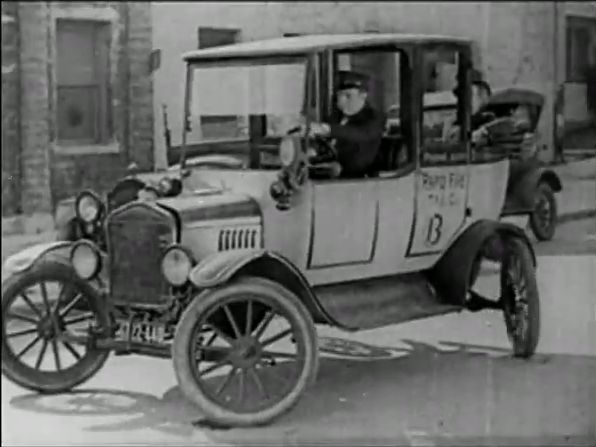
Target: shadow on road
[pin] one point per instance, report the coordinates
(460, 389)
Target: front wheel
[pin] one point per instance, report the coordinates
(543, 219)
(38, 307)
(244, 353)
(519, 294)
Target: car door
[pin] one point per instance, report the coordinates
(442, 177)
(344, 223)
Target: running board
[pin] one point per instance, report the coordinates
(373, 303)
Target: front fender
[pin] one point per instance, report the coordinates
(25, 259)
(219, 268)
(451, 274)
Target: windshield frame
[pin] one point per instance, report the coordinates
(308, 59)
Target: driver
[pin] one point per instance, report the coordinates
(357, 130)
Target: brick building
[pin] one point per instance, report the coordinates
(76, 98)
(540, 45)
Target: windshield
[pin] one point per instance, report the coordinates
(224, 96)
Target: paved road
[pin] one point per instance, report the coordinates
(441, 381)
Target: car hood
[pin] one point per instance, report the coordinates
(211, 204)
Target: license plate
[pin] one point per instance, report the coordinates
(140, 332)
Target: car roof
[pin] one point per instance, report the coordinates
(304, 44)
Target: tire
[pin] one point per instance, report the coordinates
(33, 378)
(209, 303)
(518, 272)
(543, 220)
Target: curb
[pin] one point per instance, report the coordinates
(576, 215)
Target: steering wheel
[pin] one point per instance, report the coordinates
(325, 152)
(324, 164)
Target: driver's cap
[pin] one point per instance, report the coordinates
(352, 79)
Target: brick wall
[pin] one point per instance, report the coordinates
(139, 47)
(10, 107)
(35, 113)
(48, 172)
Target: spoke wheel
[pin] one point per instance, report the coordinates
(244, 353)
(543, 220)
(521, 304)
(39, 306)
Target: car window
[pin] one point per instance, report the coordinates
(441, 134)
(389, 73)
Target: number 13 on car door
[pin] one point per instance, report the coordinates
(441, 201)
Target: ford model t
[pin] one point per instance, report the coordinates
(226, 270)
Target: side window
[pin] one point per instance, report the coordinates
(388, 72)
(441, 108)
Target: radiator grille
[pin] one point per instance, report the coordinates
(137, 238)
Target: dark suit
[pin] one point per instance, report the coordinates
(357, 141)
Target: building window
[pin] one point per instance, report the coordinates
(580, 47)
(82, 72)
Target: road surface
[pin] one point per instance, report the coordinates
(441, 381)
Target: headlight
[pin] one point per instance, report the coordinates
(85, 259)
(176, 265)
(287, 151)
(88, 207)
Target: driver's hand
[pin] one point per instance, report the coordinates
(319, 130)
(479, 135)
(311, 153)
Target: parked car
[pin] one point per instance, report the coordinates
(532, 185)
(233, 278)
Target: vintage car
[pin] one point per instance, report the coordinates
(230, 275)
(532, 185)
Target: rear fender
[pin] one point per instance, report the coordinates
(521, 191)
(551, 178)
(27, 258)
(220, 268)
(451, 275)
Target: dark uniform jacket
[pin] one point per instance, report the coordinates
(357, 141)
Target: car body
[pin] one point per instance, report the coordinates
(286, 241)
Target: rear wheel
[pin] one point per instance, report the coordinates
(247, 377)
(543, 219)
(519, 295)
(38, 307)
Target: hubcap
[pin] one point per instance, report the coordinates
(245, 353)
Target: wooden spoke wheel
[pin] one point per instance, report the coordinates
(255, 367)
(39, 306)
(519, 293)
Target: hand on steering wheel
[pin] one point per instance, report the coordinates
(325, 152)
